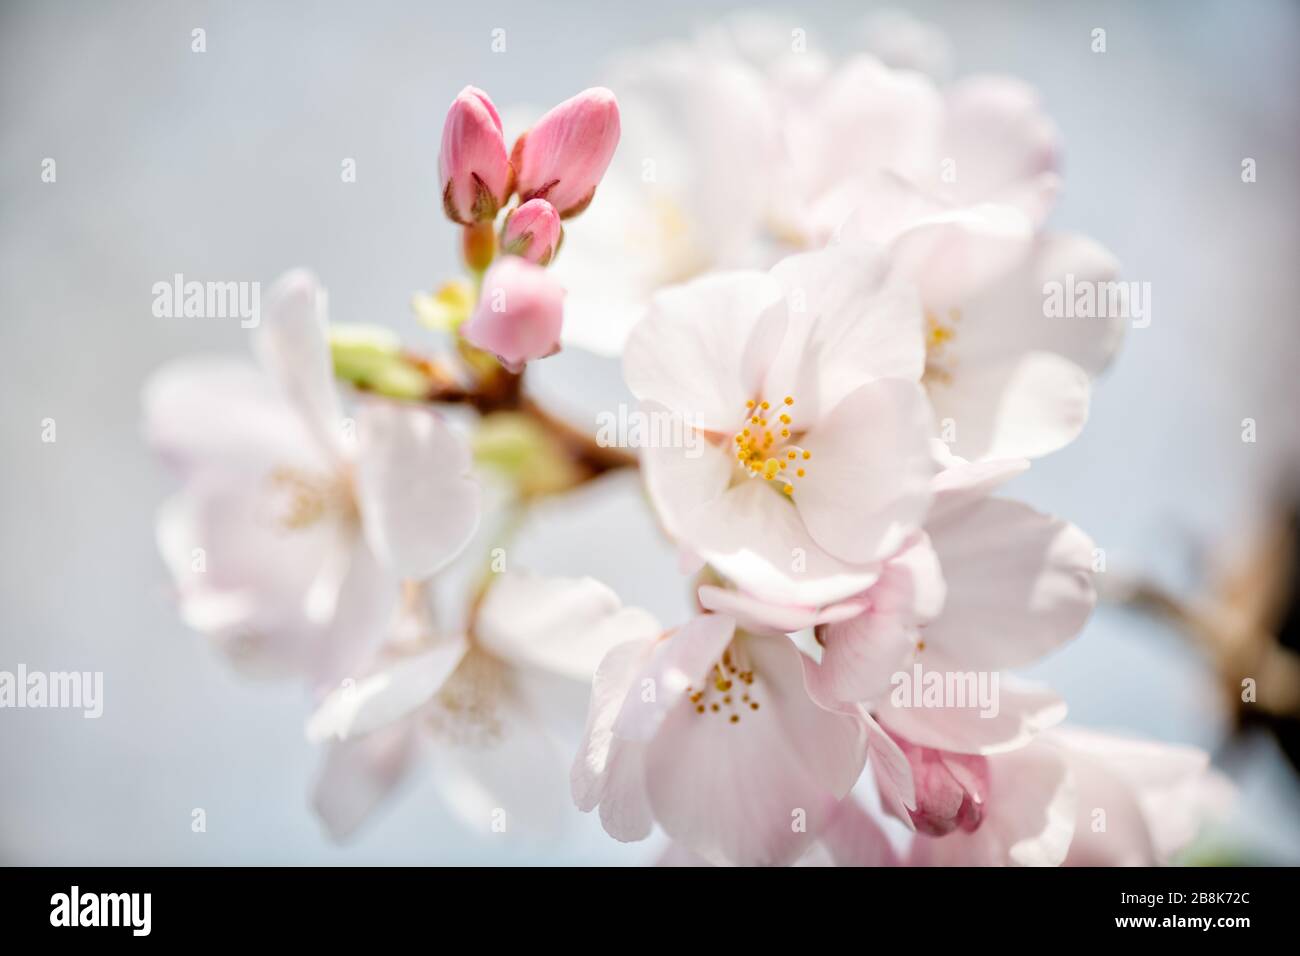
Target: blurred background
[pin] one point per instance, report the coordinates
(226, 165)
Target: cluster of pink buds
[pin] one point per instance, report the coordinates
(554, 169)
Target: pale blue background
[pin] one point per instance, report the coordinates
(226, 165)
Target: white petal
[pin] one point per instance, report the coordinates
(517, 775)
(963, 482)
(225, 415)
(607, 772)
(854, 838)
(382, 698)
(683, 482)
(1156, 797)
(705, 346)
(1019, 408)
(292, 344)
(1023, 711)
(418, 501)
(862, 654)
(848, 325)
(243, 578)
(1019, 584)
(867, 482)
(563, 625)
(998, 135)
(358, 775)
(754, 537)
(759, 616)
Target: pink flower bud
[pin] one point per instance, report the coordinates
(950, 789)
(519, 314)
(562, 158)
(472, 163)
(533, 231)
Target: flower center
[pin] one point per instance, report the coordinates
(939, 334)
(765, 447)
(728, 691)
(465, 709)
(302, 498)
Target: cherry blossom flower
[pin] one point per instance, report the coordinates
(708, 731)
(1006, 378)
(739, 148)
(486, 703)
(802, 383)
(1140, 802)
(288, 541)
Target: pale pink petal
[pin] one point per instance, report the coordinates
(1019, 711)
(243, 577)
(361, 706)
(1020, 584)
(1024, 407)
(752, 536)
(292, 344)
(998, 136)
(608, 772)
(683, 482)
(867, 482)
(226, 415)
(963, 482)
(892, 772)
(1009, 293)
(419, 503)
(561, 625)
(866, 119)
(756, 615)
(854, 838)
(358, 775)
(861, 655)
(515, 774)
(1140, 802)
(758, 790)
(356, 597)
(704, 348)
(848, 325)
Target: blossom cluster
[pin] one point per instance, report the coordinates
(832, 273)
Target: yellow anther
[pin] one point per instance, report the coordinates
(807, 455)
(785, 433)
(799, 472)
(765, 406)
(770, 467)
(749, 404)
(789, 400)
(783, 466)
(790, 455)
(785, 419)
(788, 489)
